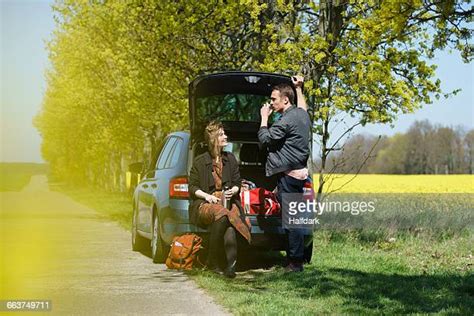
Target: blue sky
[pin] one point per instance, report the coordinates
(26, 25)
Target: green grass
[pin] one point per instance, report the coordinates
(356, 269)
(413, 275)
(15, 176)
(419, 214)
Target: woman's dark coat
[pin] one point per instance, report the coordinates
(201, 178)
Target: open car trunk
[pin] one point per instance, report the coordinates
(235, 99)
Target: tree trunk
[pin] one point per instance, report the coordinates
(330, 23)
(324, 156)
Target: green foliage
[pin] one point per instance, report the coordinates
(368, 59)
(119, 70)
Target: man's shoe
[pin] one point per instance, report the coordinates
(294, 267)
(230, 273)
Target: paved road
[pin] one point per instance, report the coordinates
(54, 248)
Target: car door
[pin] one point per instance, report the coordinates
(150, 184)
(166, 169)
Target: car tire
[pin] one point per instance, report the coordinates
(139, 243)
(159, 251)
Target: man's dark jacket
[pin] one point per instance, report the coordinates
(200, 178)
(287, 141)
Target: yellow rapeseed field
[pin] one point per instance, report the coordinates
(381, 183)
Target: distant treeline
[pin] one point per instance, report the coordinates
(423, 149)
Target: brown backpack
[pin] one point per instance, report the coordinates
(183, 251)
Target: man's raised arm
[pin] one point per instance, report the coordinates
(298, 83)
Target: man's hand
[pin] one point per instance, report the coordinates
(301, 101)
(266, 110)
(298, 81)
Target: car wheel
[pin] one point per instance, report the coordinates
(139, 243)
(158, 249)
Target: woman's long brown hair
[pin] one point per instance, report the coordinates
(211, 134)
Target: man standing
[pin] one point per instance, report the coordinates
(287, 142)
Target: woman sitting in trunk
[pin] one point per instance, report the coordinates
(210, 174)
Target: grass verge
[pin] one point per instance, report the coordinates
(413, 275)
(114, 206)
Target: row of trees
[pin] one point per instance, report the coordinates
(120, 69)
(423, 149)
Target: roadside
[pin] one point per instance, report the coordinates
(360, 271)
(57, 249)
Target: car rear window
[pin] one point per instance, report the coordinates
(246, 153)
(230, 107)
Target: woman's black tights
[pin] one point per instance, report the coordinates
(222, 234)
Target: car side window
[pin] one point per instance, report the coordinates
(153, 163)
(165, 153)
(174, 156)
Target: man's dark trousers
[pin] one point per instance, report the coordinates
(295, 247)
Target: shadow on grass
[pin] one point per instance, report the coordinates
(363, 292)
(259, 259)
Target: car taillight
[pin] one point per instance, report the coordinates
(308, 191)
(179, 187)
